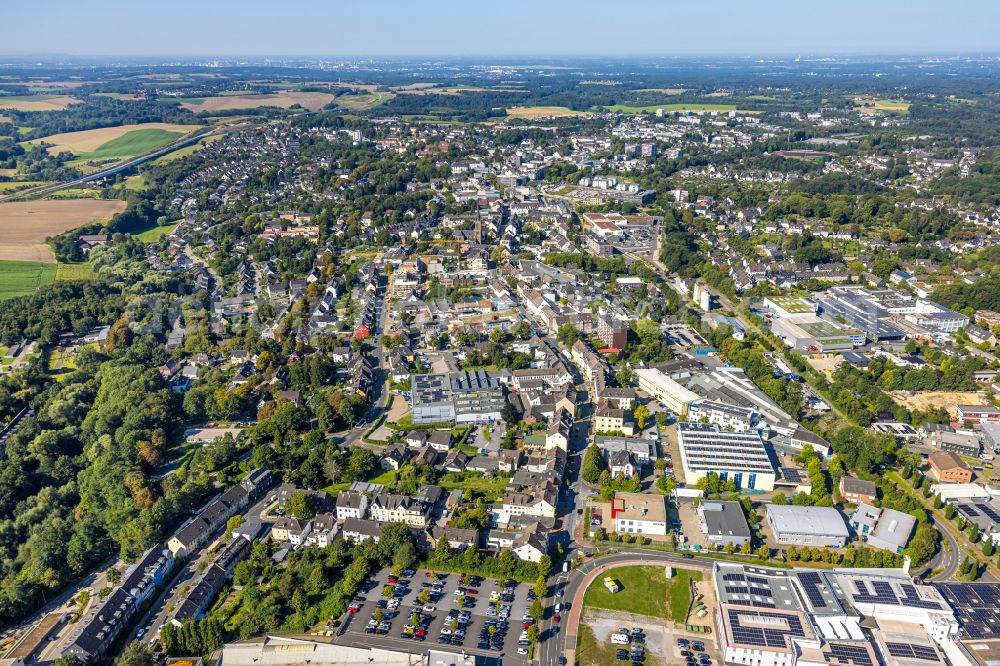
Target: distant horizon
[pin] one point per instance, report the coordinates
(521, 28)
(478, 57)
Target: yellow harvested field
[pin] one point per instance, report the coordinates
(663, 91)
(924, 400)
(26, 224)
(536, 112)
(38, 103)
(314, 101)
(87, 141)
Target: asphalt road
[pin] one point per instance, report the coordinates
(574, 585)
(97, 175)
(157, 613)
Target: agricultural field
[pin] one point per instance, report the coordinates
(872, 106)
(20, 278)
(364, 101)
(38, 102)
(671, 108)
(313, 101)
(84, 271)
(535, 112)
(10, 187)
(663, 91)
(26, 224)
(117, 142)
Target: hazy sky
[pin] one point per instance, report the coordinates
(507, 27)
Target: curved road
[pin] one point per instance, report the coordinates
(574, 585)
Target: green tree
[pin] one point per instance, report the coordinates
(536, 611)
(533, 633)
(567, 335)
(541, 588)
(301, 505)
(641, 414)
(135, 654)
(521, 329)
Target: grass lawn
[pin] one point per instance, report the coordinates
(156, 233)
(591, 652)
(82, 271)
(137, 142)
(20, 278)
(490, 488)
(644, 591)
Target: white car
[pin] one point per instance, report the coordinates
(522, 650)
(429, 609)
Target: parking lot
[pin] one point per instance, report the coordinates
(444, 621)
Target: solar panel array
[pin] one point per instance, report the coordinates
(908, 650)
(881, 592)
(853, 655)
(759, 636)
(791, 474)
(810, 583)
(977, 606)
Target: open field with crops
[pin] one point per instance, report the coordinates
(671, 108)
(872, 106)
(19, 278)
(121, 141)
(535, 112)
(26, 224)
(37, 102)
(314, 101)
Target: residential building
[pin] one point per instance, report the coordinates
(387, 508)
(946, 467)
(857, 491)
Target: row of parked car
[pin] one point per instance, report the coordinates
(693, 652)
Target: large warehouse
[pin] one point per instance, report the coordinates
(736, 456)
(674, 397)
(807, 525)
(810, 333)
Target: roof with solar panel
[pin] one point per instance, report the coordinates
(864, 590)
(977, 606)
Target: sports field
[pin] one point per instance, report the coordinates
(37, 102)
(26, 224)
(121, 141)
(535, 112)
(314, 101)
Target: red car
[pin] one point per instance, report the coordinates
(393, 580)
(555, 618)
(471, 590)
